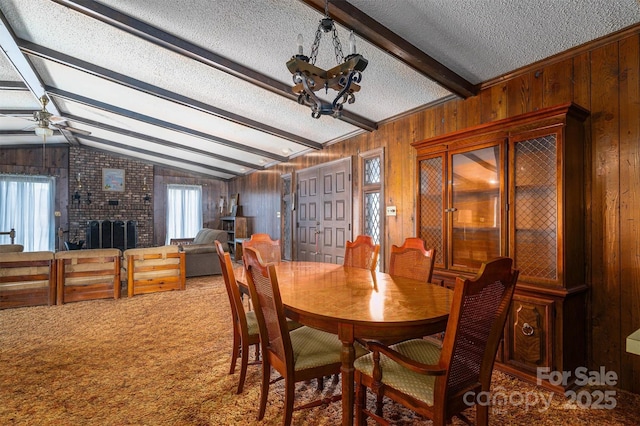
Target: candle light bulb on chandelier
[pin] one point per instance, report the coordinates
(300, 42)
(352, 43)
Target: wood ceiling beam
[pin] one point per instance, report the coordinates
(61, 58)
(26, 70)
(185, 48)
(155, 163)
(17, 113)
(160, 123)
(13, 85)
(156, 154)
(377, 34)
(161, 142)
(23, 132)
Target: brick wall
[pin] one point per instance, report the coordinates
(88, 165)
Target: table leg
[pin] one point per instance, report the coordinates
(345, 333)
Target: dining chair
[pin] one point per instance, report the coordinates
(245, 325)
(436, 381)
(298, 355)
(269, 249)
(412, 260)
(362, 253)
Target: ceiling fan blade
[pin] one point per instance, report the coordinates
(29, 127)
(18, 115)
(72, 129)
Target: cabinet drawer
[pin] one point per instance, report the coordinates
(529, 333)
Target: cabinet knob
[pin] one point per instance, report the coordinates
(527, 330)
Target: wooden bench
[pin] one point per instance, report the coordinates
(27, 279)
(88, 274)
(153, 269)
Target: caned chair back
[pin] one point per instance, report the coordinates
(267, 303)
(362, 253)
(476, 322)
(269, 249)
(412, 260)
(436, 380)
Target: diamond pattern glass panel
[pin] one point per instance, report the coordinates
(287, 218)
(372, 216)
(372, 170)
(431, 206)
(536, 208)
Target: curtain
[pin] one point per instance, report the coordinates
(184, 211)
(27, 205)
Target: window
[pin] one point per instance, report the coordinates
(372, 198)
(27, 205)
(184, 211)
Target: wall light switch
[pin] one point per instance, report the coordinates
(277, 214)
(391, 210)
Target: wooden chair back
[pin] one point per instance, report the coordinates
(243, 338)
(267, 303)
(233, 292)
(478, 314)
(412, 260)
(362, 253)
(269, 249)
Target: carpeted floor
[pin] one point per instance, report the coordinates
(163, 359)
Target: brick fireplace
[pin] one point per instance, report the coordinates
(129, 205)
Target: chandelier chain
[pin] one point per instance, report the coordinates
(315, 46)
(337, 47)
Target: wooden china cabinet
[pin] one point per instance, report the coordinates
(516, 188)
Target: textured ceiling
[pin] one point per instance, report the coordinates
(201, 85)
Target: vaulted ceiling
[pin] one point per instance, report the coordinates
(201, 85)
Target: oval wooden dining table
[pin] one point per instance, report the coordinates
(356, 303)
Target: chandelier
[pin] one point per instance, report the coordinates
(343, 78)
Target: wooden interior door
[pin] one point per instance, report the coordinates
(287, 219)
(323, 212)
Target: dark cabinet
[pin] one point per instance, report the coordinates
(236, 227)
(515, 187)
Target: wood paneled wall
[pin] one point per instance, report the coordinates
(212, 189)
(59, 159)
(604, 78)
(53, 160)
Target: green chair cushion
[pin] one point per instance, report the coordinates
(394, 375)
(253, 328)
(315, 348)
(252, 323)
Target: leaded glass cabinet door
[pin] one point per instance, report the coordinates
(431, 196)
(535, 213)
(475, 213)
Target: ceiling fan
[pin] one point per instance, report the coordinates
(47, 121)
